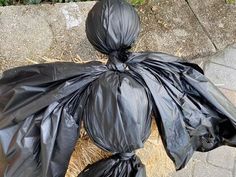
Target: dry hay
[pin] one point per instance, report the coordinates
(153, 155)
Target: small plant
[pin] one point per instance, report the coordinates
(13, 2)
(3, 2)
(32, 1)
(137, 2)
(230, 1)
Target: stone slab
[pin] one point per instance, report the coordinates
(222, 157)
(188, 170)
(231, 95)
(218, 19)
(234, 171)
(227, 57)
(170, 26)
(207, 170)
(200, 156)
(45, 32)
(185, 172)
(222, 76)
(220, 68)
(224, 57)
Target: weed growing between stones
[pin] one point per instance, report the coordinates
(3, 2)
(17, 2)
(230, 1)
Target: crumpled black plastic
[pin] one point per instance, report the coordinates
(42, 106)
(116, 165)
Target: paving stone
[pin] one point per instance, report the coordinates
(199, 156)
(185, 172)
(2, 162)
(188, 170)
(220, 75)
(225, 57)
(234, 171)
(220, 68)
(172, 28)
(222, 157)
(68, 26)
(207, 170)
(218, 19)
(24, 32)
(231, 95)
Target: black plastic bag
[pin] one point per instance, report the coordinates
(42, 106)
(40, 116)
(117, 165)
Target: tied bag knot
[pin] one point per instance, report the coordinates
(117, 60)
(125, 156)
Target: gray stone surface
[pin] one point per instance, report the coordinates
(234, 171)
(221, 68)
(218, 19)
(45, 32)
(230, 94)
(185, 172)
(207, 170)
(57, 32)
(222, 157)
(170, 26)
(200, 156)
(221, 76)
(23, 32)
(225, 57)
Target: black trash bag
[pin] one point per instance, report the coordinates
(191, 113)
(109, 105)
(40, 115)
(123, 164)
(42, 106)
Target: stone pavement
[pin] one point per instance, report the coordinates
(44, 33)
(217, 19)
(35, 34)
(217, 163)
(192, 29)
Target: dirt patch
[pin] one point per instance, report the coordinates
(170, 26)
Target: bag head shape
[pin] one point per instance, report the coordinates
(115, 28)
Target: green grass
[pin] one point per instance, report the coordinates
(3, 2)
(230, 1)
(14, 2)
(137, 2)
